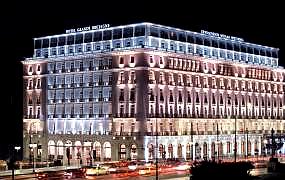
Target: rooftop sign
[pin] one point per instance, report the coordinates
(88, 28)
(221, 35)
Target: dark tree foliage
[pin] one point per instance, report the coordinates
(221, 171)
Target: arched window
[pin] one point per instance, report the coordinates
(188, 151)
(170, 151)
(60, 148)
(78, 149)
(249, 148)
(134, 152)
(107, 150)
(51, 147)
(205, 150)
(150, 151)
(122, 151)
(179, 151)
(228, 147)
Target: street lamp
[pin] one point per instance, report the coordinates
(32, 146)
(13, 160)
(246, 131)
(156, 140)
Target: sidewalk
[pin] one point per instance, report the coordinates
(30, 171)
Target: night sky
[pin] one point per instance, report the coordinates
(258, 23)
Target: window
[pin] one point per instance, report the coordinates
(132, 59)
(118, 45)
(121, 78)
(139, 30)
(45, 43)
(107, 35)
(188, 97)
(38, 83)
(38, 44)
(197, 97)
(215, 44)
(128, 32)
(30, 111)
(132, 77)
(88, 47)
(121, 60)
(121, 98)
(154, 31)
(170, 96)
(121, 110)
(161, 109)
(132, 111)
(221, 99)
(132, 94)
(38, 112)
(30, 69)
(190, 38)
(30, 101)
(150, 59)
(53, 42)
(97, 36)
(160, 60)
(70, 40)
(161, 95)
(173, 36)
(164, 34)
(88, 38)
(79, 39)
(182, 37)
(179, 96)
(205, 98)
(117, 33)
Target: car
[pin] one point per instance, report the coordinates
(99, 170)
(74, 173)
(42, 175)
(113, 168)
(150, 170)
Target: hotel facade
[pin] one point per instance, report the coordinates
(133, 92)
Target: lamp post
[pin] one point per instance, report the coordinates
(156, 141)
(246, 143)
(218, 147)
(246, 131)
(17, 148)
(32, 146)
(235, 143)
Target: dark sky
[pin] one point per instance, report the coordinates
(259, 23)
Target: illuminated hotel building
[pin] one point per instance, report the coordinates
(109, 93)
